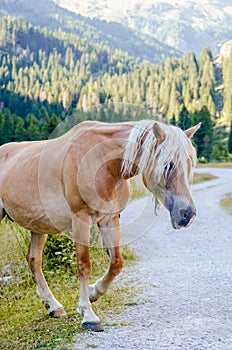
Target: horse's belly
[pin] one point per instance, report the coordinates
(51, 215)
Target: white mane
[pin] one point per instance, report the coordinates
(141, 149)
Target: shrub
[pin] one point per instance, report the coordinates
(202, 160)
(219, 152)
(59, 252)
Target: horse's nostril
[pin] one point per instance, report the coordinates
(183, 213)
(185, 216)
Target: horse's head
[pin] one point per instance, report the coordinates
(167, 175)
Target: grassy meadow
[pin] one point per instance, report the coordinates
(226, 202)
(224, 165)
(197, 178)
(24, 323)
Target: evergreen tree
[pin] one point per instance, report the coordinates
(203, 139)
(45, 122)
(184, 121)
(7, 131)
(227, 74)
(53, 123)
(32, 128)
(230, 139)
(20, 131)
(173, 120)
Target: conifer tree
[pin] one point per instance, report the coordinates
(184, 121)
(203, 139)
(7, 127)
(45, 121)
(19, 128)
(173, 120)
(227, 73)
(32, 128)
(230, 139)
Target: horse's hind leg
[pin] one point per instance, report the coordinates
(110, 234)
(34, 258)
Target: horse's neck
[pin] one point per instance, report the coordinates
(107, 139)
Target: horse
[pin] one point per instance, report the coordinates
(81, 178)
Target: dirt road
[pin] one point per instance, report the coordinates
(186, 275)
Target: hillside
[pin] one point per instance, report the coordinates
(188, 25)
(46, 76)
(114, 35)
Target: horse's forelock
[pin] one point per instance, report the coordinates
(136, 152)
(175, 148)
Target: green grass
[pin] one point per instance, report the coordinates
(137, 189)
(226, 202)
(226, 165)
(197, 178)
(24, 323)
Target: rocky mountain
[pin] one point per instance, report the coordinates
(188, 25)
(45, 13)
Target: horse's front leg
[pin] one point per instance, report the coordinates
(34, 258)
(81, 235)
(110, 230)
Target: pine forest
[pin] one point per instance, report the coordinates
(46, 76)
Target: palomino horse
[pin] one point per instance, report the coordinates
(80, 178)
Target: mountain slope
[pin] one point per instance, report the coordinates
(188, 25)
(115, 35)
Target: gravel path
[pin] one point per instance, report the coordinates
(186, 301)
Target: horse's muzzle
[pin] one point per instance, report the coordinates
(182, 217)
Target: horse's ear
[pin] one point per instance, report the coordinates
(191, 131)
(158, 132)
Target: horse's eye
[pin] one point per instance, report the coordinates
(169, 167)
(168, 173)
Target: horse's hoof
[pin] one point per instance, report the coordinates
(58, 313)
(93, 326)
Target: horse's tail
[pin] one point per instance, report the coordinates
(3, 213)
(4, 156)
